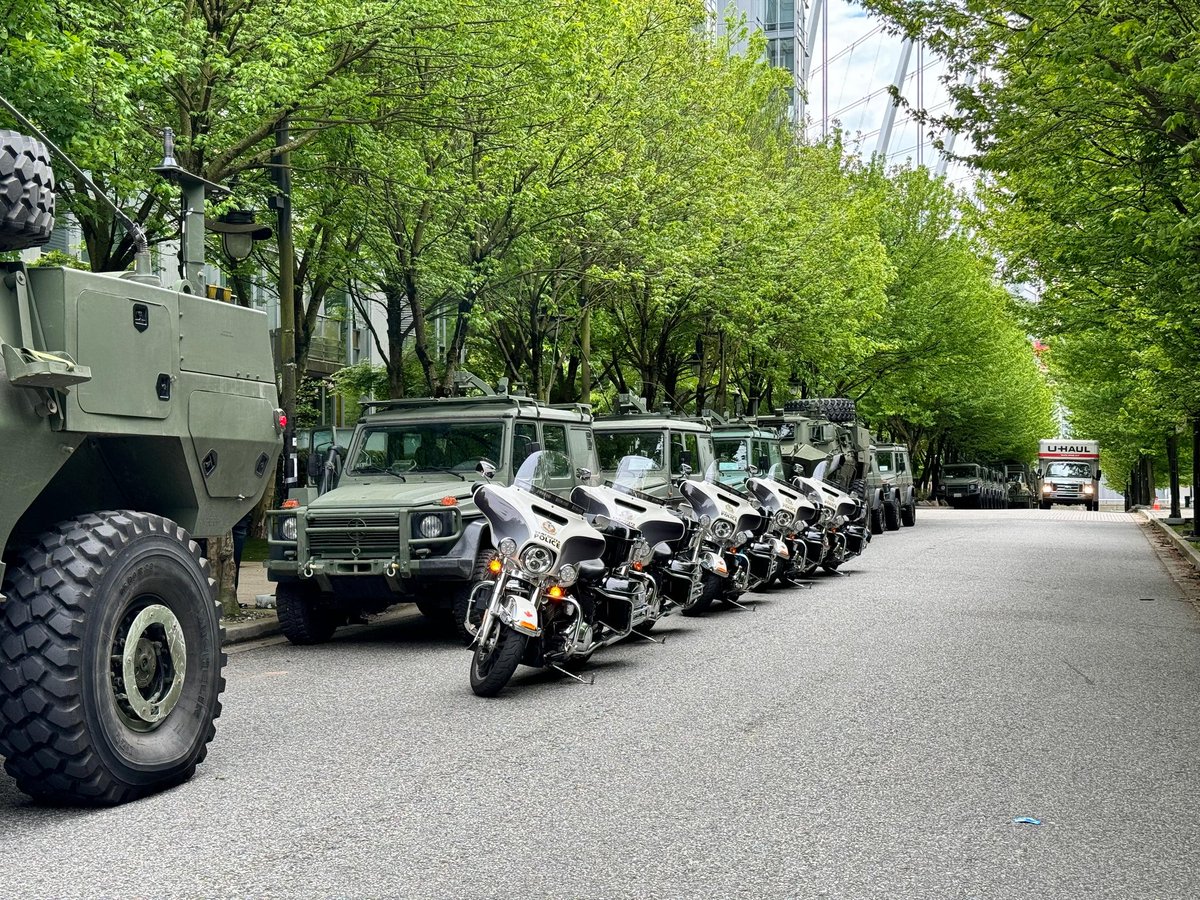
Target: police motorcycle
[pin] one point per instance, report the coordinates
(734, 555)
(840, 532)
(789, 512)
(664, 555)
(554, 592)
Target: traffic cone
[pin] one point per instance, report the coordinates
(1157, 505)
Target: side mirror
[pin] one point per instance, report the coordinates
(685, 459)
(1099, 474)
(534, 447)
(764, 464)
(313, 467)
(486, 468)
(583, 474)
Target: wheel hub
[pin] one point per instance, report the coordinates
(149, 661)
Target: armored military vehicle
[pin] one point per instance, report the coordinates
(400, 524)
(971, 485)
(826, 431)
(132, 417)
(678, 445)
(1022, 486)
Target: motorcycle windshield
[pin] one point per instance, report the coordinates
(775, 473)
(713, 473)
(541, 469)
(639, 475)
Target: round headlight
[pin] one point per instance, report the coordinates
(567, 575)
(642, 551)
(783, 518)
(431, 526)
(537, 560)
(287, 528)
(722, 529)
(705, 520)
(508, 547)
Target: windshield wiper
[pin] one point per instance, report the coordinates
(376, 470)
(457, 475)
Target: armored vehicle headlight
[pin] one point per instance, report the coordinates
(537, 560)
(722, 529)
(783, 518)
(431, 526)
(508, 547)
(287, 528)
(567, 575)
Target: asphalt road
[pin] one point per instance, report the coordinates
(874, 736)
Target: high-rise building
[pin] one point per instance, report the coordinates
(778, 21)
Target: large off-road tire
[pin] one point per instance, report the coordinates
(460, 603)
(908, 515)
(110, 660)
(891, 515)
(26, 192)
(494, 661)
(875, 520)
(1043, 504)
(303, 619)
(838, 409)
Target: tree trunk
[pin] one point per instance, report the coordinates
(1173, 465)
(220, 557)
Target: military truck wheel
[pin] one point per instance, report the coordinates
(838, 409)
(26, 192)
(1043, 504)
(876, 520)
(891, 515)
(110, 660)
(302, 618)
(908, 514)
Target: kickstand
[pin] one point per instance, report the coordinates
(730, 600)
(563, 671)
(836, 572)
(646, 637)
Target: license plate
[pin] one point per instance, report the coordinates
(958, 495)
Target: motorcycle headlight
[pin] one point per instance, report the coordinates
(508, 547)
(722, 529)
(431, 526)
(783, 518)
(567, 575)
(537, 560)
(288, 528)
(641, 551)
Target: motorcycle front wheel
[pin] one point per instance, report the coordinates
(496, 659)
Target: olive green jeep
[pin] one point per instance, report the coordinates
(895, 468)
(743, 448)
(682, 447)
(400, 524)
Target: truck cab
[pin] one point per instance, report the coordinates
(742, 445)
(681, 447)
(1070, 473)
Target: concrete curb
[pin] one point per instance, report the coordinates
(241, 632)
(1190, 553)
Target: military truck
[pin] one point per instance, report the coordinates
(895, 468)
(400, 525)
(826, 431)
(132, 418)
(678, 445)
(968, 485)
(1022, 486)
(743, 447)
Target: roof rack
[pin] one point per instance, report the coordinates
(369, 406)
(581, 408)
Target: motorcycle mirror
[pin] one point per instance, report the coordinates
(600, 521)
(486, 468)
(752, 470)
(583, 474)
(685, 470)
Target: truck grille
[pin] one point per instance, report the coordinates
(359, 537)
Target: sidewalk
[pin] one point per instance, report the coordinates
(1157, 518)
(254, 623)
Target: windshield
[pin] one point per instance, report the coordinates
(1069, 470)
(639, 473)
(733, 454)
(540, 468)
(961, 472)
(427, 447)
(616, 445)
(884, 458)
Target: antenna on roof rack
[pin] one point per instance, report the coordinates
(630, 403)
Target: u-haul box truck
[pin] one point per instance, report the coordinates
(1070, 472)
